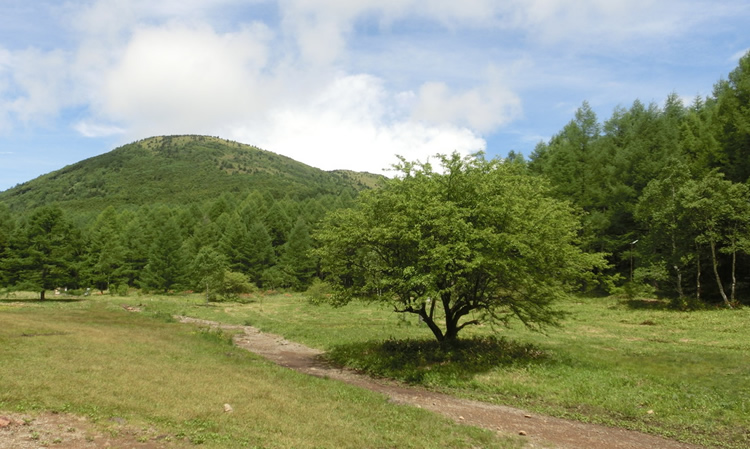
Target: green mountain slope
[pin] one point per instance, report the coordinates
(176, 170)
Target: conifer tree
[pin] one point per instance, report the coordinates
(43, 251)
(236, 244)
(278, 224)
(105, 259)
(297, 260)
(7, 226)
(261, 255)
(166, 262)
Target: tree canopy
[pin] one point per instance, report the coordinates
(472, 241)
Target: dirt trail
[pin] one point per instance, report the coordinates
(541, 431)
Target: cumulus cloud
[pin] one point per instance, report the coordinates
(37, 84)
(353, 123)
(178, 78)
(484, 108)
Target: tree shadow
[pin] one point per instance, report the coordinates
(647, 304)
(8, 300)
(428, 361)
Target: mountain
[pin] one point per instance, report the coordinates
(175, 170)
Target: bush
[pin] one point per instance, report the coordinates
(318, 292)
(234, 284)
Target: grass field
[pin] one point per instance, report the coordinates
(92, 358)
(631, 364)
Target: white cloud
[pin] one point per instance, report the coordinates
(737, 56)
(38, 85)
(89, 129)
(178, 78)
(483, 109)
(353, 124)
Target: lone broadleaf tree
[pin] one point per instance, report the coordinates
(474, 241)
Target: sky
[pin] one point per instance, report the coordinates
(342, 84)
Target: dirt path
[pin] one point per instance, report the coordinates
(541, 431)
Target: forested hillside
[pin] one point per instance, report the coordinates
(665, 190)
(177, 170)
(168, 213)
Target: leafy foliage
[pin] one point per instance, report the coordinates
(672, 179)
(474, 237)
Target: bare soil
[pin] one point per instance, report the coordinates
(65, 431)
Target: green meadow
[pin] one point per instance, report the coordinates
(632, 364)
(94, 359)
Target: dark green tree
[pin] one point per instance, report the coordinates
(137, 236)
(732, 120)
(297, 259)
(236, 244)
(166, 259)
(278, 224)
(261, 255)
(479, 240)
(105, 258)
(43, 251)
(7, 226)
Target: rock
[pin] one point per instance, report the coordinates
(5, 422)
(650, 412)
(522, 433)
(228, 408)
(527, 416)
(461, 417)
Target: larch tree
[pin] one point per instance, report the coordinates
(42, 254)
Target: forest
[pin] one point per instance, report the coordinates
(662, 190)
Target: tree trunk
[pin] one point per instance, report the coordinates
(431, 324)
(698, 274)
(734, 267)
(676, 267)
(41, 295)
(680, 292)
(715, 265)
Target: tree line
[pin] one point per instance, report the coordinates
(664, 189)
(222, 247)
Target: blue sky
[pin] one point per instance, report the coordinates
(341, 83)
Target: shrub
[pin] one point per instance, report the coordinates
(234, 284)
(318, 291)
